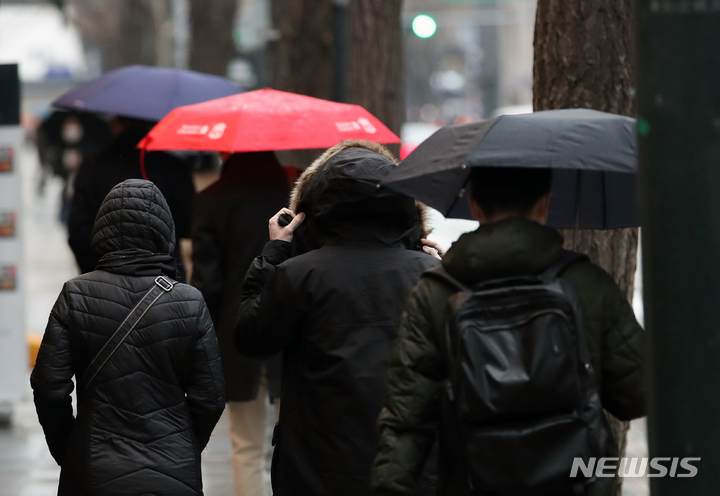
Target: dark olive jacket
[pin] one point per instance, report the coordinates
(417, 373)
(143, 421)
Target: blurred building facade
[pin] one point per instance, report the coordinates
(477, 63)
(479, 59)
(36, 36)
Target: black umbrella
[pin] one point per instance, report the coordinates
(593, 156)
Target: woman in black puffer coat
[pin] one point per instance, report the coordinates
(144, 420)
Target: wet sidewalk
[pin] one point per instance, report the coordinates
(27, 469)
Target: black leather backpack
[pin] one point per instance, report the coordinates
(521, 401)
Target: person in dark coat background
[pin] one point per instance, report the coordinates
(229, 230)
(121, 160)
(63, 139)
(144, 420)
(333, 310)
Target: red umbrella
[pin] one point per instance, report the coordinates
(264, 120)
(406, 149)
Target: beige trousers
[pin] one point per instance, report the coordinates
(247, 434)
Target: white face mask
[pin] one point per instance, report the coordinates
(72, 131)
(72, 159)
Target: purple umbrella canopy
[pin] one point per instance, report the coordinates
(142, 92)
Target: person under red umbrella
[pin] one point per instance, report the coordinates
(229, 229)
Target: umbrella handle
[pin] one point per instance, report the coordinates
(142, 164)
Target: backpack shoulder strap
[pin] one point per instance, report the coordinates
(162, 285)
(566, 259)
(441, 274)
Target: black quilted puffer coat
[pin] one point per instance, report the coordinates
(417, 372)
(144, 420)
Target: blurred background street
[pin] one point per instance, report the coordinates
(26, 467)
(459, 61)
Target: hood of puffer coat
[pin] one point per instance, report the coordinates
(339, 193)
(134, 216)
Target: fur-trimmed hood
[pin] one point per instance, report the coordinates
(348, 154)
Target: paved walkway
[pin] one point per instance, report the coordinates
(26, 467)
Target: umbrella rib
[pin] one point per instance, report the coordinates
(578, 190)
(604, 201)
(457, 197)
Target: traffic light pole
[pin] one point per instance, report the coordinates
(679, 144)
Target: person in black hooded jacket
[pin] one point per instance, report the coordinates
(98, 174)
(143, 421)
(334, 311)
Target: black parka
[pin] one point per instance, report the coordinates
(230, 227)
(145, 419)
(334, 312)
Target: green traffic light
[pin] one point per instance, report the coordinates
(424, 26)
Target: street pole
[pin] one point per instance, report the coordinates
(678, 90)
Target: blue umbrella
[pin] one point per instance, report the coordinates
(148, 93)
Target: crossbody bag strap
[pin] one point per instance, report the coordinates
(162, 285)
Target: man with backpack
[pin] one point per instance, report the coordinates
(511, 349)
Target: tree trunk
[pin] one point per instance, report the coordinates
(136, 44)
(211, 44)
(376, 65)
(585, 57)
(302, 57)
(122, 30)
